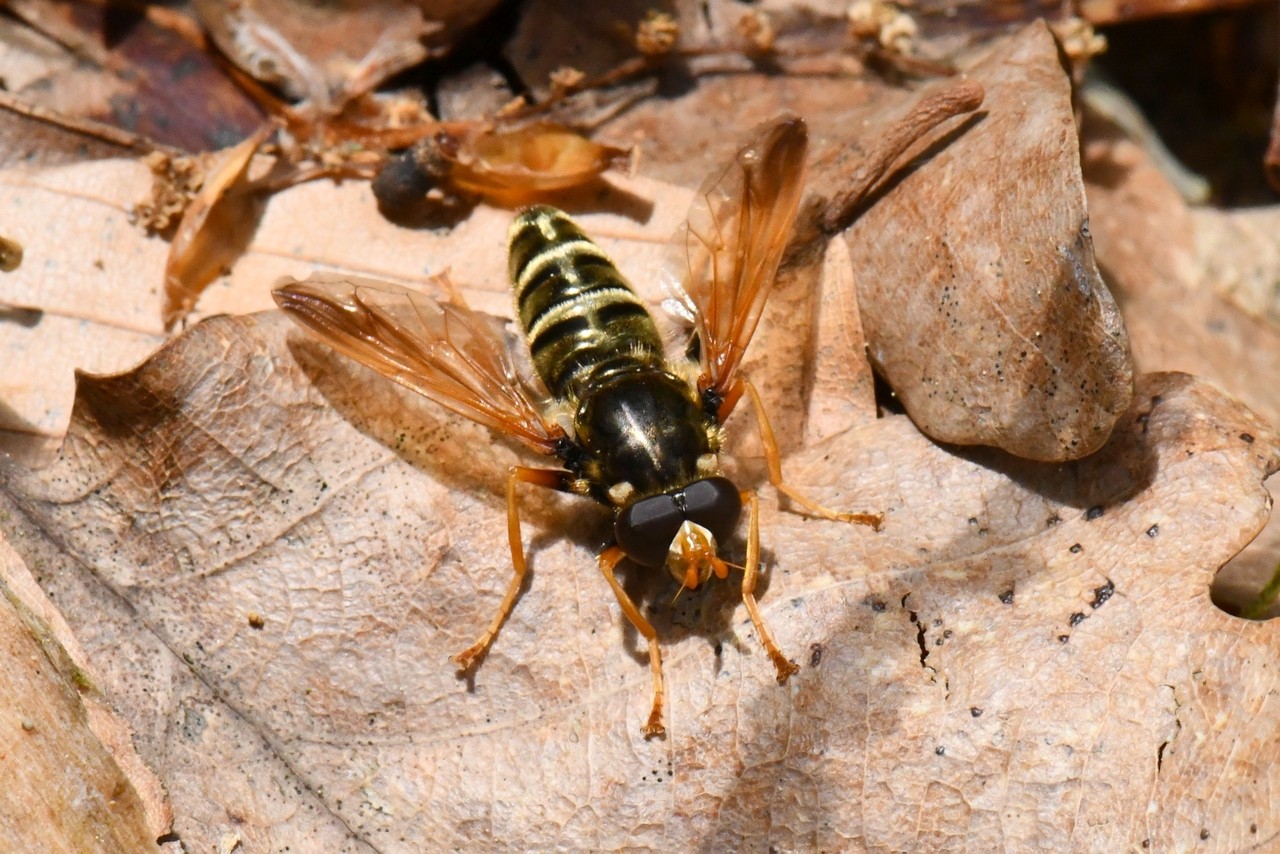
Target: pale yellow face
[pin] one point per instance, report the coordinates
(692, 556)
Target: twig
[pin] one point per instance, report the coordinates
(960, 96)
(88, 127)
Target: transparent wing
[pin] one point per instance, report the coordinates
(737, 229)
(448, 353)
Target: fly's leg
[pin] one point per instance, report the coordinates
(609, 559)
(784, 667)
(774, 461)
(550, 479)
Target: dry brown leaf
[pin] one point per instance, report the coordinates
(1182, 276)
(102, 61)
(87, 294)
(842, 389)
(61, 740)
(324, 54)
(215, 228)
(1240, 257)
(1025, 657)
(1177, 278)
(983, 305)
(146, 684)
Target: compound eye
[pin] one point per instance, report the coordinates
(645, 529)
(713, 503)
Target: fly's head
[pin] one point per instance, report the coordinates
(681, 529)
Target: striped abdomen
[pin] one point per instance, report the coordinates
(581, 318)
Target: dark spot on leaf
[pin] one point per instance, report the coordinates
(1146, 843)
(1055, 519)
(815, 654)
(1076, 549)
(1204, 833)
(1102, 594)
(1093, 513)
(876, 605)
(975, 711)
(1247, 437)
(941, 751)
(1153, 531)
(1007, 597)
(1076, 619)
(1063, 638)
(719, 649)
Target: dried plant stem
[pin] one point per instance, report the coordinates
(88, 127)
(958, 97)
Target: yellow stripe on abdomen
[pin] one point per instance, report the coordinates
(581, 317)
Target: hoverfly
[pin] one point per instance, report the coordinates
(644, 431)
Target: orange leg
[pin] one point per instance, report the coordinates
(774, 461)
(609, 559)
(784, 667)
(551, 479)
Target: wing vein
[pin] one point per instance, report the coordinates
(450, 354)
